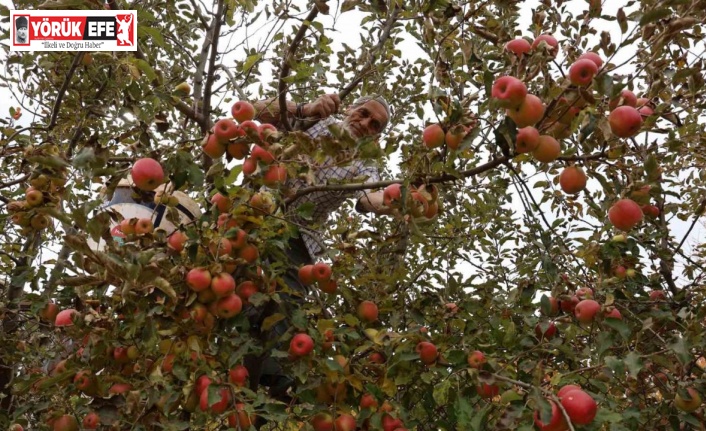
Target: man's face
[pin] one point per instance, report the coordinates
(22, 32)
(367, 119)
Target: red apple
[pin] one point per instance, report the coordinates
(625, 214)
(328, 286)
(391, 424)
(241, 420)
(202, 383)
(219, 406)
(321, 272)
(527, 140)
(572, 180)
(261, 155)
(392, 194)
(275, 175)
(238, 375)
(614, 313)
(306, 275)
(49, 312)
(587, 310)
(487, 391)
(147, 174)
(249, 166)
(433, 136)
(212, 146)
(590, 55)
(266, 130)
(223, 284)
(556, 423)
(368, 311)
(454, 136)
(580, 407)
(229, 306)
(64, 317)
(322, 422)
(582, 72)
(177, 240)
(301, 345)
(65, 423)
(626, 97)
(368, 401)
(688, 405)
(625, 121)
(238, 150)
(584, 293)
(552, 44)
(240, 240)
(225, 130)
(249, 253)
(144, 226)
(344, 422)
(91, 421)
(427, 352)
(566, 389)
(509, 91)
(84, 381)
(569, 305)
(548, 149)
(658, 295)
(198, 279)
(242, 111)
(528, 113)
(548, 333)
(476, 359)
(34, 197)
(650, 210)
(518, 46)
(223, 203)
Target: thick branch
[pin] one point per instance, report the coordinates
(212, 65)
(378, 184)
(62, 90)
(287, 66)
(371, 57)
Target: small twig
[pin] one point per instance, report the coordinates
(62, 90)
(18, 181)
(287, 66)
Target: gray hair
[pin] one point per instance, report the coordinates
(376, 97)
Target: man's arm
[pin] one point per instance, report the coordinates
(371, 202)
(267, 111)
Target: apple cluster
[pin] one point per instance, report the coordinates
(319, 273)
(44, 192)
(421, 202)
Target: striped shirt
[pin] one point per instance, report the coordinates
(326, 202)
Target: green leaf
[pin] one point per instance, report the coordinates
(634, 363)
(619, 326)
(250, 61)
(154, 33)
(441, 392)
(306, 210)
(145, 68)
(654, 15)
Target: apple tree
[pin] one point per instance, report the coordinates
(540, 264)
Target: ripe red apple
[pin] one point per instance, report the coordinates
(553, 307)
(301, 345)
(527, 140)
(688, 405)
(91, 421)
(202, 383)
(614, 313)
(223, 203)
(198, 279)
(548, 149)
(552, 44)
(376, 358)
(212, 146)
(427, 352)
(556, 423)
(240, 240)
(322, 422)
(433, 136)
(368, 311)
(580, 407)
(625, 121)
(238, 150)
(509, 91)
(582, 72)
(246, 289)
(223, 284)
(16, 427)
(658, 295)
(391, 424)
(251, 129)
(220, 247)
(590, 55)
(518, 46)
(650, 210)
(241, 420)
(626, 97)
(261, 155)
(566, 389)
(49, 312)
(584, 293)
(306, 275)
(549, 333)
(242, 111)
(225, 130)
(147, 174)
(229, 306)
(476, 359)
(344, 422)
(321, 271)
(328, 286)
(569, 305)
(487, 391)
(119, 388)
(528, 113)
(219, 406)
(249, 166)
(587, 310)
(64, 317)
(625, 214)
(177, 240)
(368, 401)
(143, 226)
(238, 375)
(266, 130)
(249, 253)
(84, 381)
(65, 423)
(275, 175)
(572, 180)
(392, 194)
(454, 136)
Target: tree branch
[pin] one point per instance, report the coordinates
(212, 66)
(286, 67)
(386, 30)
(62, 90)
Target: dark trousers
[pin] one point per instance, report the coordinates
(263, 369)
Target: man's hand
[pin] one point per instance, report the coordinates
(322, 107)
